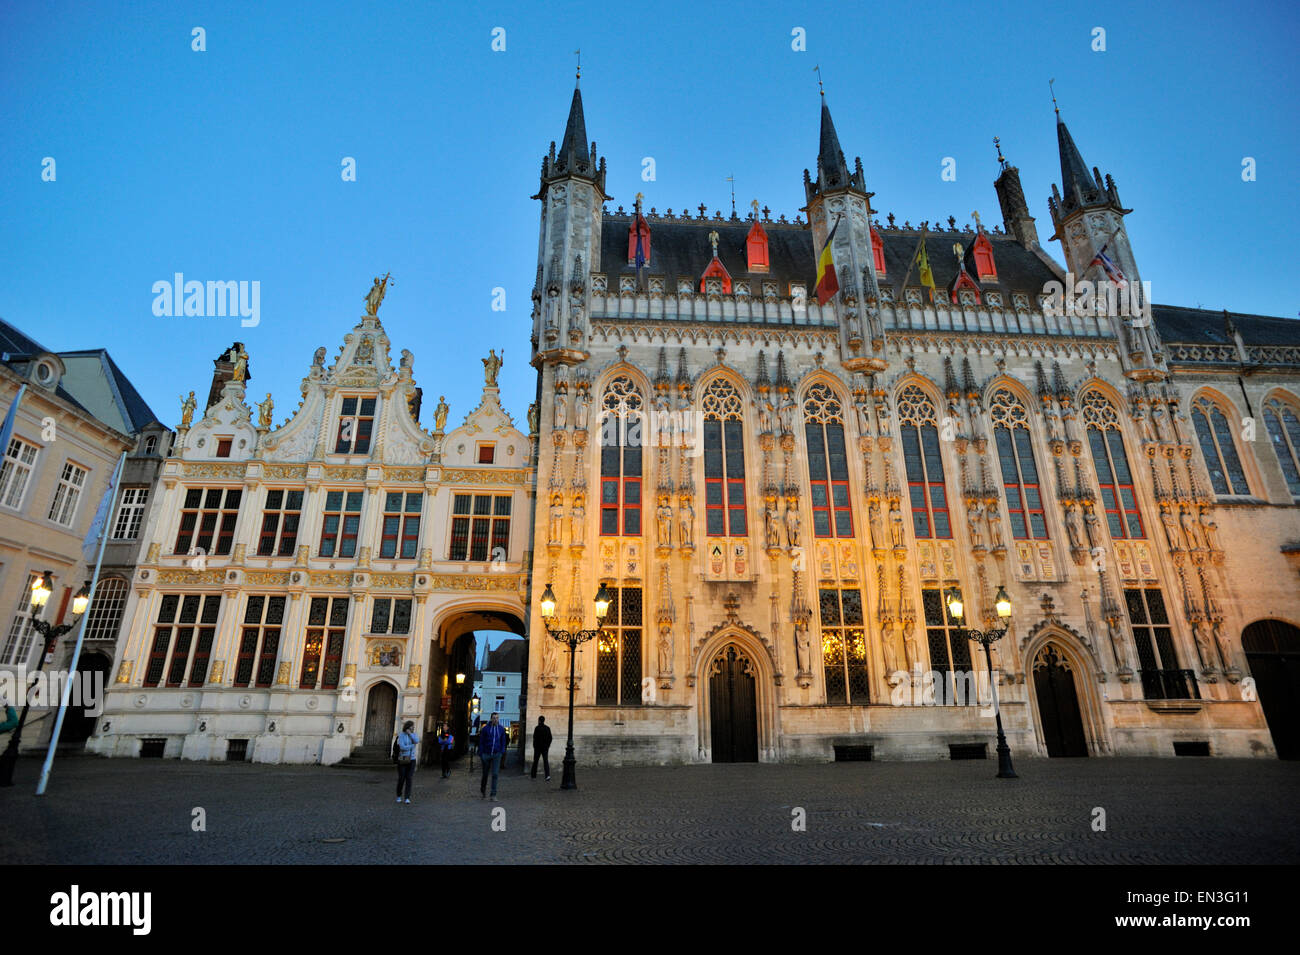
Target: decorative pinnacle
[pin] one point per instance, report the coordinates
(821, 89)
(578, 77)
(1001, 159)
(1053, 92)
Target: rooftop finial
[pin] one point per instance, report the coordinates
(821, 89)
(577, 80)
(997, 143)
(732, 179)
(1053, 92)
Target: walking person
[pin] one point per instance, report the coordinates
(542, 747)
(445, 743)
(404, 750)
(491, 747)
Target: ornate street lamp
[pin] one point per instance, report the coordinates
(987, 638)
(572, 640)
(42, 588)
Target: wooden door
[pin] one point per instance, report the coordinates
(1273, 655)
(1058, 705)
(381, 714)
(733, 708)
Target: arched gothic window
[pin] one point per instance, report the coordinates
(1217, 447)
(621, 439)
(918, 428)
(828, 463)
(724, 460)
(1019, 473)
(1284, 431)
(1113, 476)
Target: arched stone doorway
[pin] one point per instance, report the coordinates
(381, 715)
(92, 678)
(1057, 696)
(1273, 655)
(733, 707)
(457, 649)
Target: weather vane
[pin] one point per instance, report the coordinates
(1053, 92)
(578, 54)
(732, 179)
(818, 70)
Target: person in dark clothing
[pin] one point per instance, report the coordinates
(542, 746)
(445, 743)
(491, 747)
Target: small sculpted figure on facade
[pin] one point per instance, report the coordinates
(264, 409)
(491, 365)
(440, 414)
(664, 515)
(895, 524)
(187, 409)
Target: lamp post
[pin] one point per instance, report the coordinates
(572, 639)
(470, 728)
(987, 638)
(40, 595)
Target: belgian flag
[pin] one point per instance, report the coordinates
(827, 283)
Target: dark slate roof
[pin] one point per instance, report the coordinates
(573, 147)
(134, 408)
(1074, 171)
(18, 348)
(508, 657)
(679, 248)
(1207, 326)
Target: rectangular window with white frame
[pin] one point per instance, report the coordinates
(16, 472)
(72, 481)
(130, 513)
(499, 705)
(21, 636)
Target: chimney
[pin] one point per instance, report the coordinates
(223, 370)
(1016, 219)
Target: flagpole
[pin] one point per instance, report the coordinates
(81, 630)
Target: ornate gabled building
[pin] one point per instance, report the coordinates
(779, 487)
(306, 586)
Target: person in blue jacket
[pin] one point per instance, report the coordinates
(405, 745)
(491, 747)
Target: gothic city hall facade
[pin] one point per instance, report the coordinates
(781, 446)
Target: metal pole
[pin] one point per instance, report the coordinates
(81, 631)
(1005, 769)
(570, 780)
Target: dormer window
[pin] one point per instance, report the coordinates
(150, 444)
(44, 374)
(638, 227)
(716, 270)
(756, 248)
(982, 252)
(878, 253)
(356, 422)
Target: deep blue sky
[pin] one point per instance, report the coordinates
(225, 164)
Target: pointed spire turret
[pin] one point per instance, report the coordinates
(576, 157)
(832, 169)
(1079, 189)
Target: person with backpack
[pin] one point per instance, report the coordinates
(445, 743)
(404, 750)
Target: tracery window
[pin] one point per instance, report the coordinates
(724, 460)
(828, 463)
(918, 428)
(844, 646)
(1113, 476)
(1284, 431)
(618, 650)
(1217, 447)
(949, 648)
(1019, 473)
(621, 439)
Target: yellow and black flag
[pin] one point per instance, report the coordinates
(827, 283)
(923, 269)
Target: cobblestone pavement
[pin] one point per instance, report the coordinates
(1175, 811)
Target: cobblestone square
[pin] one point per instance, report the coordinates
(1171, 811)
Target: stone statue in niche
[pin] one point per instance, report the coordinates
(1092, 527)
(1209, 529)
(534, 419)
(686, 519)
(891, 652)
(786, 413)
(873, 520)
(772, 530)
(664, 517)
(792, 523)
(995, 526)
(1072, 528)
(802, 646)
(895, 524)
(578, 521)
(1189, 529)
(973, 521)
(582, 404)
(665, 649)
(557, 519)
(561, 411)
(1170, 521)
